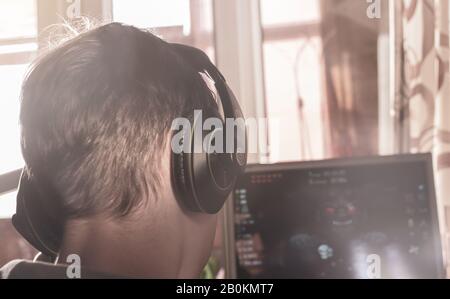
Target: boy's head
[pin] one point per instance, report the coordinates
(96, 118)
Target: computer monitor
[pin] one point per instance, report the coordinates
(353, 218)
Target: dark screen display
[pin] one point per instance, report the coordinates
(363, 221)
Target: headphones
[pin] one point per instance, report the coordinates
(202, 180)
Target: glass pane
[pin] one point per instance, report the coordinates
(289, 11)
(153, 13)
(296, 97)
(18, 18)
(7, 205)
(11, 77)
(183, 21)
(325, 66)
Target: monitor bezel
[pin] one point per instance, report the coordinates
(427, 159)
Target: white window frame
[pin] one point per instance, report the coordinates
(239, 56)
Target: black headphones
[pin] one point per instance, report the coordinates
(202, 180)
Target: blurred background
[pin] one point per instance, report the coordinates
(334, 78)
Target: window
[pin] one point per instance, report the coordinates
(154, 14)
(289, 12)
(18, 19)
(18, 45)
(182, 21)
(292, 46)
(330, 54)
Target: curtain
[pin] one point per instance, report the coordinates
(351, 77)
(427, 92)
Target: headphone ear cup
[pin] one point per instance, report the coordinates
(36, 220)
(181, 182)
(202, 180)
(211, 193)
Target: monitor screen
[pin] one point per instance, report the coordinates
(358, 218)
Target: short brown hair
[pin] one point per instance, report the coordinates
(96, 113)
